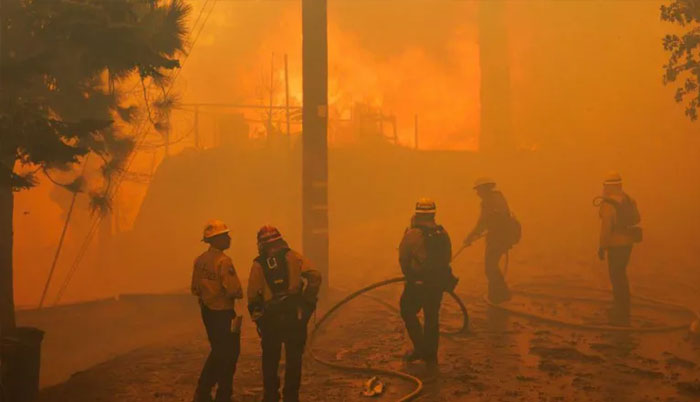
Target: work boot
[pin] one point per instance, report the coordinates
(413, 356)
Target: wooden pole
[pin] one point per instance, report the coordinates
(286, 96)
(196, 127)
(315, 135)
(415, 131)
(272, 88)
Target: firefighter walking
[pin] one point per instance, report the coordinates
(424, 255)
(502, 231)
(281, 305)
(215, 283)
(619, 218)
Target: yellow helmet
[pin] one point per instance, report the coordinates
(613, 177)
(425, 206)
(214, 227)
(482, 181)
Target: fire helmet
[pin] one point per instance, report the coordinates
(425, 206)
(268, 234)
(214, 227)
(612, 177)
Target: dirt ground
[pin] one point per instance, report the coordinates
(504, 358)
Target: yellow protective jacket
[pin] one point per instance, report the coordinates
(298, 267)
(214, 280)
(609, 237)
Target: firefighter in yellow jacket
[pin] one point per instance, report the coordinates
(215, 283)
(281, 305)
(618, 233)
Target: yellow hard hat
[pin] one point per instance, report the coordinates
(425, 206)
(613, 177)
(481, 181)
(213, 228)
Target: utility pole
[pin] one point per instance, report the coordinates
(272, 91)
(496, 130)
(286, 97)
(315, 134)
(196, 127)
(415, 131)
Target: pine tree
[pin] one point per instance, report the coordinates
(62, 64)
(684, 61)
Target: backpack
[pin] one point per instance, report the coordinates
(438, 249)
(437, 246)
(627, 216)
(627, 212)
(276, 272)
(514, 231)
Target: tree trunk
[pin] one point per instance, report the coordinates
(7, 302)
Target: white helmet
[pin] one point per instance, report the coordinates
(214, 227)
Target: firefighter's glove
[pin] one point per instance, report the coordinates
(601, 253)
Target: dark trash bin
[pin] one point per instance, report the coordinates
(20, 356)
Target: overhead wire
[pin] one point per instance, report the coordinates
(141, 132)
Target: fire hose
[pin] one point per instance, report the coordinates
(465, 327)
(371, 370)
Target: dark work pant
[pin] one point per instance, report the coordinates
(498, 289)
(225, 348)
(276, 330)
(425, 338)
(618, 258)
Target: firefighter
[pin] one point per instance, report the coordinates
(502, 231)
(424, 255)
(618, 233)
(280, 304)
(215, 283)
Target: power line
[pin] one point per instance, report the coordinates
(142, 132)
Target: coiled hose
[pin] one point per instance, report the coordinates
(371, 370)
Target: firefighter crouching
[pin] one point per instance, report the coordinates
(215, 283)
(424, 255)
(281, 306)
